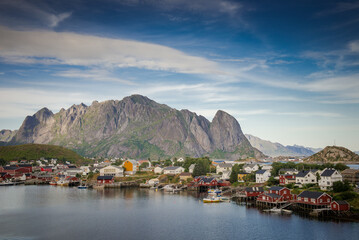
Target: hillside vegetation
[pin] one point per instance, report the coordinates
(334, 154)
(36, 151)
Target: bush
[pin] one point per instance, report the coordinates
(290, 186)
(349, 195)
(341, 186)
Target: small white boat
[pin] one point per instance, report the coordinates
(82, 187)
(211, 200)
(278, 210)
(214, 191)
(168, 188)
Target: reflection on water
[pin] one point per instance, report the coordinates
(48, 212)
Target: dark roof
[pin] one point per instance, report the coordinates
(71, 166)
(171, 168)
(341, 202)
(302, 174)
(328, 172)
(254, 189)
(272, 195)
(309, 194)
(104, 177)
(207, 179)
(10, 167)
(261, 171)
(276, 188)
(24, 165)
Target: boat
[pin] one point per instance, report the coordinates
(223, 199)
(168, 188)
(82, 187)
(62, 183)
(53, 183)
(214, 191)
(278, 210)
(211, 200)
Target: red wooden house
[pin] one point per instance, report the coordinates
(253, 191)
(281, 191)
(285, 179)
(24, 165)
(105, 179)
(271, 198)
(314, 198)
(204, 181)
(4, 176)
(46, 169)
(340, 205)
(15, 171)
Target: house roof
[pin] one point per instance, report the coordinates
(10, 167)
(171, 168)
(302, 174)
(276, 188)
(104, 177)
(309, 194)
(328, 172)
(261, 171)
(272, 195)
(254, 189)
(341, 202)
(225, 165)
(250, 165)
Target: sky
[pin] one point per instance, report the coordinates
(288, 71)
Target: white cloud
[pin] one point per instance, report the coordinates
(28, 10)
(49, 47)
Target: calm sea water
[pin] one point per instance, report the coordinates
(47, 212)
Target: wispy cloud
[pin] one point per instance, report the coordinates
(339, 8)
(29, 10)
(49, 47)
(100, 75)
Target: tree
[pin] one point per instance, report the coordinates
(340, 166)
(271, 181)
(202, 167)
(235, 171)
(341, 186)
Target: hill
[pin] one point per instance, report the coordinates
(334, 154)
(276, 149)
(36, 151)
(136, 127)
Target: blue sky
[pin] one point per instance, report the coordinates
(287, 70)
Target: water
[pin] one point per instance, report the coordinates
(353, 166)
(47, 212)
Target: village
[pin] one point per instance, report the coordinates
(318, 192)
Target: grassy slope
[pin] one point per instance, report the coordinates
(36, 151)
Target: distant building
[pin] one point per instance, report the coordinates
(262, 176)
(130, 166)
(305, 177)
(285, 179)
(351, 175)
(328, 177)
(223, 167)
(105, 179)
(249, 168)
(173, 170)
(115, 171)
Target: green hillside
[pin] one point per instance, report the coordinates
(37, 151)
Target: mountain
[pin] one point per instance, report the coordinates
(6, 135)
(136, 127)
(37, 151)
(277, 149)
(334, 154)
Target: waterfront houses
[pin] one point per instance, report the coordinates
(328, 177)
(281, 191)
(105, 179)
(340, 205)
(115, 171)
(262, 176)
(305, 177)
(253, 191)
(319, 199)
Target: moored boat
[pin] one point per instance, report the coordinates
(211, 200)
(82, 187)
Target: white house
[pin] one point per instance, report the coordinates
(226, 175)
(73, 172)
(115, 171)
(328, 177)
(262, 176)
(158, 170)
(267, 167)
(85, 169)
(191, 168)
(305, 177)
(223, 167)
(173, 170)
(249, 168)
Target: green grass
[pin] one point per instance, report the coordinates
(36, 151)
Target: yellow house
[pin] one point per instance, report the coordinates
(241, 176)
(130, 166)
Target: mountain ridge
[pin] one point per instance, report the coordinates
(136, 126)
(334, 154)
(276, 149)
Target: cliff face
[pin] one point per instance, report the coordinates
(136, 127)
